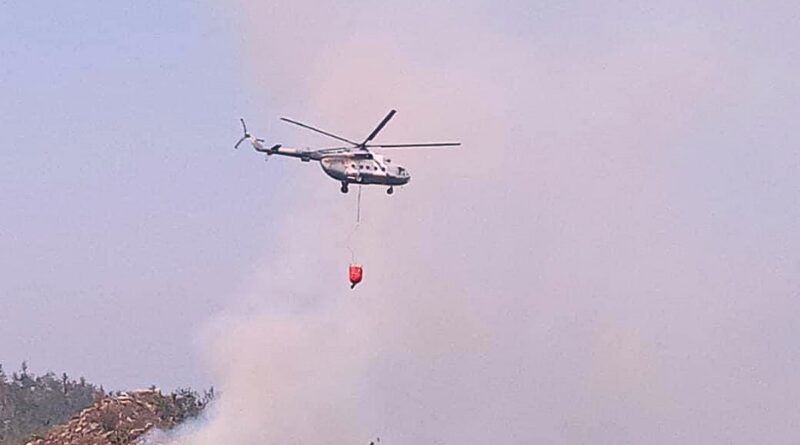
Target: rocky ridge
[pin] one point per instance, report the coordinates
(123, 418)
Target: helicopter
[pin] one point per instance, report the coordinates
(351, 164)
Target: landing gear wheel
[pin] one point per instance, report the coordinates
(390, 190)
(344, 188)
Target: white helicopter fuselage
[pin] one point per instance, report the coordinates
(364, 171)
(346, 167)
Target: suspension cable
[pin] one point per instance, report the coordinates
(355, 227)
(358, 207)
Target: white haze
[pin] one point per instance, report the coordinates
(607, 259)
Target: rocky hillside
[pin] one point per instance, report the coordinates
(31, 404)
(123, 418)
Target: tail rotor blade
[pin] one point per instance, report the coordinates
(240, 141)
(245, 136)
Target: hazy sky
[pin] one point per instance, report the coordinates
(611, 257)
(126, 217)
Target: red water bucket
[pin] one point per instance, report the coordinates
(356, 274)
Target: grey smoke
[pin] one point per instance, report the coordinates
(605, 260)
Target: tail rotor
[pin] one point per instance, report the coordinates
(258, 143)
(245, 136)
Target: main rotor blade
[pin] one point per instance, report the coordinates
(433, 144)
(244, 126)
(379, 127)
(309, 127)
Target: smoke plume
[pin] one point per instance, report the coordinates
(569, 275)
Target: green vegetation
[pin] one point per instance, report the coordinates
(182, 404)
(30, 404)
